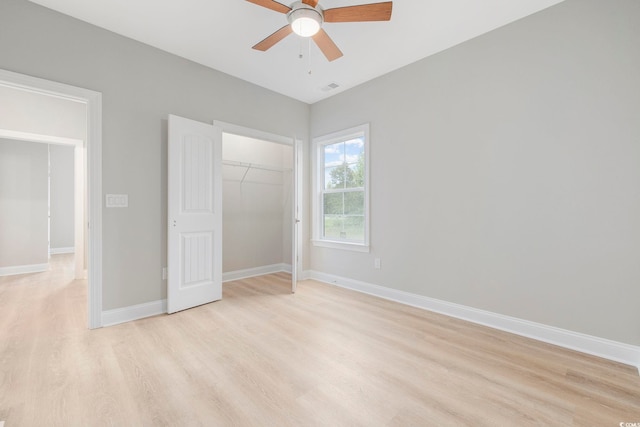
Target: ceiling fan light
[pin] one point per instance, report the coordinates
(305, 22)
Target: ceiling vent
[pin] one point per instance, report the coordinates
(330, 87)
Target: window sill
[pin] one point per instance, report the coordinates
(355, 247)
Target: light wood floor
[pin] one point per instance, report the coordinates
(263, 357)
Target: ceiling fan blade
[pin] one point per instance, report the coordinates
(312, 3)
(361, 13)
(272, 4)
(273, 38)
(326, 45)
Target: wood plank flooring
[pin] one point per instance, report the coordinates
(264, 357)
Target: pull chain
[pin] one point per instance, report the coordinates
(309, 38)
(301, 54)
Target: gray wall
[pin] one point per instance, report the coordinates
(506, 171)
(140, 86)
(23, 203)
(61, 160)
(256, 204)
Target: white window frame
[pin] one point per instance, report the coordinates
(318, 179)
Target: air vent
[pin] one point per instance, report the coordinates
(330, 87)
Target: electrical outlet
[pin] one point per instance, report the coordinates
(164, 273)
(376, 263)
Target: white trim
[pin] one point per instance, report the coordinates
(252, 133)
(93, 101)
(94, 207)
(256, 271)
(608, 349)
(133, 312)
(56, 251)
(36, 137)
(356, 247)
(23, 269)
(296, 213)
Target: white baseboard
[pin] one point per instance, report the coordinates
(608, 349)
(257, 271)
(133, 312)
(23, 269)
(140, 311)
(57, 251)
(305, 275)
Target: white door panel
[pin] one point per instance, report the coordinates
(195, 214)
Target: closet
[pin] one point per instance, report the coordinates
(257, 206)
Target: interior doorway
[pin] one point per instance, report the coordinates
(24, 117)
(260, 203)
(30, 168)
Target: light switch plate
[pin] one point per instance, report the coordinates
(117, 200)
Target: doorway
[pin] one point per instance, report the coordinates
(41, 204)
(18, 124)
(260, 203)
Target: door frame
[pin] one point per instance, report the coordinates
(93, 167)
(298, 211)
(292, 142)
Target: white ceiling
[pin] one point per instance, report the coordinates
(220, 33)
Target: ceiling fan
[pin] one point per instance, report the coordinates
(306, 18)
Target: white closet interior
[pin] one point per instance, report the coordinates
(257, 197)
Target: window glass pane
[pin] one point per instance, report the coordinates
(344, 228)
(353, 149)
(353, 228)
(355, 175)
(340, 176)
(333, 204)
(354, 157)
(354, 203)
(334, 154)
(333, 226)
(331, 178)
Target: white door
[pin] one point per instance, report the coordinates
(295, 262)
(195, 214)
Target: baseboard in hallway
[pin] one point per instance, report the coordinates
(23, 269)
(57, 251)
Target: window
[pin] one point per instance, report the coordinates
(341, 209)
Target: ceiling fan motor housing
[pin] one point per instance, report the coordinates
(304, 19)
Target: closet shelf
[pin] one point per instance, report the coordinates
(250, 166)
(255, 166)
